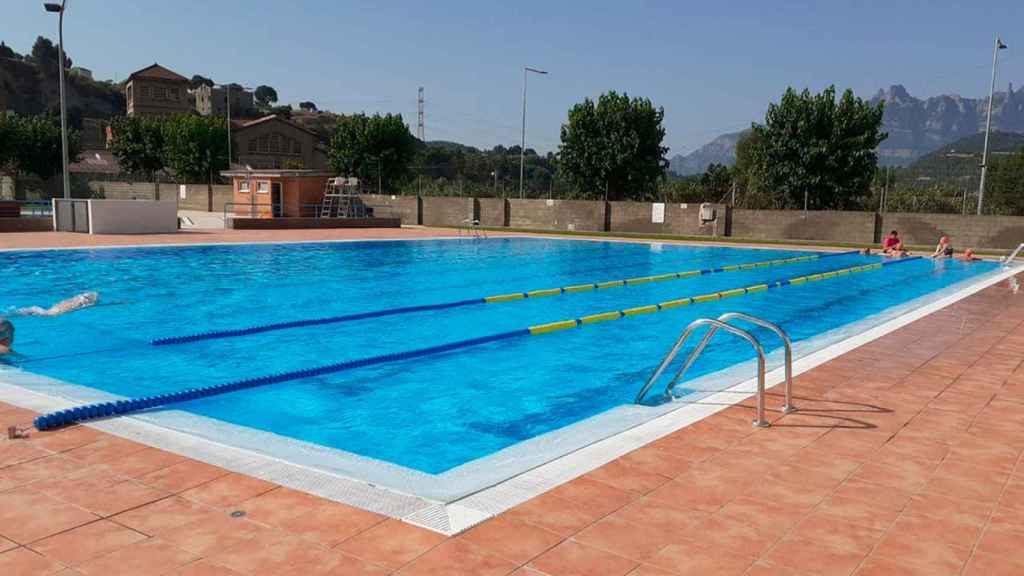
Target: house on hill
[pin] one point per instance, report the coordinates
(157, 91)
(273, 142)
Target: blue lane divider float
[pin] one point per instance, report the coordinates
(122, 407)
(238, 332)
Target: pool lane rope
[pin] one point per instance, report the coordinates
(238, 332)
(122, 407)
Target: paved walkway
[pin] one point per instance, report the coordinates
(29, 240)
(904, 459)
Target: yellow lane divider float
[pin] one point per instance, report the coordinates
(650, 308)
(656, 278)
(515, 296)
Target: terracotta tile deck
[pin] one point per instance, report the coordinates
(904, 459)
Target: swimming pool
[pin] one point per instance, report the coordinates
(445, 423)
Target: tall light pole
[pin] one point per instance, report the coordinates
(59, 9)
(227, 99)
(988, 123)
(522, 144)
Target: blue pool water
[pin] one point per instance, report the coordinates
(434, 413)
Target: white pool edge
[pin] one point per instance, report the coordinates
(459, 515)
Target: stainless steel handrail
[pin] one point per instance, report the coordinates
(1013, 255)
(760, 421)
(787, 345)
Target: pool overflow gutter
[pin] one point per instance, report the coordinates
(122, 407)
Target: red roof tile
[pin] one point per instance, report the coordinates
(157, 71)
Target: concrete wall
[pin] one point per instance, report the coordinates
(132, 217)
(26, 224)
(492, 211)
(389, 206)
(310, 223)
(833, 226)
(678, 219)
(442, 211)
(557, 214)
(964, 231)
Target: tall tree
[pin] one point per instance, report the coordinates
(138, 144)
(1004, 189)
(814, 145)
(265, 96)
(37, 146)
(376, 145)
(197, 149)
(614, 147)
(10, 136)
(198, 80)
(716, 180)
(45, 54)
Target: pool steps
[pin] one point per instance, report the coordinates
(122, 407)
(238, 332)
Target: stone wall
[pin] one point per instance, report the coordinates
(677, 219)
(572, 215)
(446, 211)
(831, 226)
(389, 206)
(964, 231)
(492, 211)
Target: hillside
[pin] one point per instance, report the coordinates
(917, 127)
(963, 157)
(27, 90)
(721, 150)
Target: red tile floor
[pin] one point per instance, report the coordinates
(905, 458)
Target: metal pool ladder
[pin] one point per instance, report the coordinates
(1013, 256)
(722, 322)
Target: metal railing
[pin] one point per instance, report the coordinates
(471, 227)
(722, 323)
(1013, 255)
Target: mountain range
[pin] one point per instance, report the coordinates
(915, 126)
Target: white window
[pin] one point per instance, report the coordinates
(263, 187)
(243, 186)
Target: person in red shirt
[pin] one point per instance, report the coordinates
(892, 245)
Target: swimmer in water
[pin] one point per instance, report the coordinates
(6, 336)
(83, 300)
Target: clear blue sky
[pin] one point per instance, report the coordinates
(713, 66)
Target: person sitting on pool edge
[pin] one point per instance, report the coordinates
(944, 249)
(893, 246)
(6, 336)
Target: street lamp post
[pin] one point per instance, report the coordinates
(522, 144)
(59, 9)
(227, 100)
(988, 123)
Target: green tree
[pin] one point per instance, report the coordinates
(381, 146)
(197, 149)
(717, 181)
(265, 96)
(10, 136)
(815, 145)
(139, 147)
(1004, 185)
(614, 148)
(198, 80)
(36, 146)
(46, 54)
(307, 106)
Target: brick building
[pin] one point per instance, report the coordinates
(157, 91)
(272, 142)
(213, 101)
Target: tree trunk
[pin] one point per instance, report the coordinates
(209, 192)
